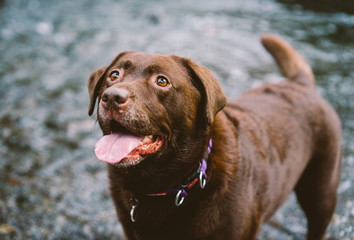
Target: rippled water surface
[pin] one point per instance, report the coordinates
(52, 186)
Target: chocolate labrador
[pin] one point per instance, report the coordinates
(184, 163)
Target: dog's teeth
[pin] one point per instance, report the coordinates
(147, 139)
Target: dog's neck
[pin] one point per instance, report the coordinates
(197, 178)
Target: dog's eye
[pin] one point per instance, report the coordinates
(162, 81)
(114, 75)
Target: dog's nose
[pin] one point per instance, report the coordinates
(115, 96)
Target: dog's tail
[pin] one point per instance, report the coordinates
(290, 62)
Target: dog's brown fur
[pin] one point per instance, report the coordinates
(266, 143)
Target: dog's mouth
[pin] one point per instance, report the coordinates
(124, 147)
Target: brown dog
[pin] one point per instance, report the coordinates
(159, 115)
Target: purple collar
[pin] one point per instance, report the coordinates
(182, 190)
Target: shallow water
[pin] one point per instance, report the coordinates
(52, 186)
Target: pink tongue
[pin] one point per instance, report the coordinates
(114, 147)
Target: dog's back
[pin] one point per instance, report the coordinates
(292, 140)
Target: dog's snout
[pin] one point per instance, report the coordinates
(115, 96)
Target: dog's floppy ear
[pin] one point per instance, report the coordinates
(93, 84)
(214, 96)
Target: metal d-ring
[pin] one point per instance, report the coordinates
(179, 198)
(202, 180)
(134, 204)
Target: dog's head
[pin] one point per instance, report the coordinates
(148, 104)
